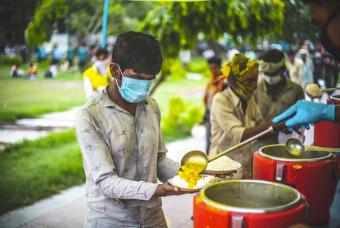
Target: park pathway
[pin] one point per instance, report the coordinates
(34, 128)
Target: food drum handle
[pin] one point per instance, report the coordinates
(280, 173)
(237, 222)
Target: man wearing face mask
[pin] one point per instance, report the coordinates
(235, 115)
(326, 15)
(275, 93)
(96, 77)
(121, 141)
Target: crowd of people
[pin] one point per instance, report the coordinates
(72, 59)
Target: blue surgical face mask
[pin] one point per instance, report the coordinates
(133, 90)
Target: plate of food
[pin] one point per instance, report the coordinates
(189, 179)
(222, 165)
(184, 186)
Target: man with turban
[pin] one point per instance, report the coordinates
(235, 116)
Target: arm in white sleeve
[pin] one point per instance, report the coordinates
(89, 92)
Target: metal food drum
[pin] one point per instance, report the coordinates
(313, 174)
(248, 204)
(326, 133)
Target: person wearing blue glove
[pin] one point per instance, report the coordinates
(303, 113)
(326, 15)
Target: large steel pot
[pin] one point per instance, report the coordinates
(313, 174)
(248, 203)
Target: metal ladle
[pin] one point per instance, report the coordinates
(314, 91)
(199, 157)
(295, 148)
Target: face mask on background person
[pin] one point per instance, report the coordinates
(272, 80)
(101, 66)
(133, 90)
(325, 40)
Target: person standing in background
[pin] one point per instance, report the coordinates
(70, 56)
(96, 77)
(82, 57)
(235, 115)
(307, 68)
(275, 93)
(213, 87)
(294, 66)
(57, 55)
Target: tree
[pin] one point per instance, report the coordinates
(297, 25)
(82, 18)
(177, 25)
(14, 17)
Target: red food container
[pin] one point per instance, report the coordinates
(327, 133)
(313, 174)
(248, 204)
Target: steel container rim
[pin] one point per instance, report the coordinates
(298, 199)
(263, 154)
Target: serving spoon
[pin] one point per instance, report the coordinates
(200, 158)
(295, 148)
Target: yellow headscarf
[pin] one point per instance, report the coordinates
(244, 72)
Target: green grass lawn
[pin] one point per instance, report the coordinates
(25, 98)
(33, 170)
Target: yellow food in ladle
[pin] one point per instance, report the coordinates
(191, 173)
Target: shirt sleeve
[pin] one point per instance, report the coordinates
(88, 87)
(99, 166)
(166, 167)
(223, 115)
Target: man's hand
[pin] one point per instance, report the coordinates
(303, 113)
(167, 190)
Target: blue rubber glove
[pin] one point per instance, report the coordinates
(303, 113)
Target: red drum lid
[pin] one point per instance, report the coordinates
(278, 152)
(250, 196)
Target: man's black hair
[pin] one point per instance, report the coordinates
(137, 51)
(215, 60)
(272, 56)
(102, 51)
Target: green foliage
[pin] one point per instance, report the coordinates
(198, 65)
(177, 70)
(41, 27)
(83, 18)
(10, 60)
(180, 119)
(177, 25)
(33, 170)
(298, 23)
